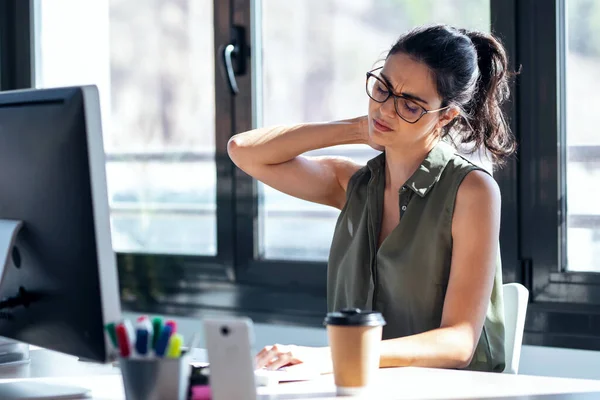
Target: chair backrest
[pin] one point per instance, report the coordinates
(516, 297)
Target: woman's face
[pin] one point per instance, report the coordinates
(408, 77)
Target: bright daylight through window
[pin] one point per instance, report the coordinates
(153, 64)
(582, 137)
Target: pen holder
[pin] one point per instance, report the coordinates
(156, 378)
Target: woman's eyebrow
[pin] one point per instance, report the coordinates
(407, 95)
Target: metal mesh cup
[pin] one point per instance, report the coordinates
(155, 378)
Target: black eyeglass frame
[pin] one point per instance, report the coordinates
(396, 97)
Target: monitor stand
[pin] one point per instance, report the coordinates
(26, 389)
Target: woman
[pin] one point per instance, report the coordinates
(417, 236)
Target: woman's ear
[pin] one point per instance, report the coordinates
(447, 117)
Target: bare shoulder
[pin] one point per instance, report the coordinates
(477, 207)
(478, 188)
(477, 203)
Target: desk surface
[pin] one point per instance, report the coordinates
(395, 383)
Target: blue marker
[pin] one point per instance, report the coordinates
(142, 341)
(163, 341)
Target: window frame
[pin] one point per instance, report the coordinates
(16, 49)
(249, 267)
(564, 309)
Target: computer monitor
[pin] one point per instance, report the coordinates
(58, 277)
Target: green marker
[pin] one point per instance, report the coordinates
(112, 333)
(157, 324)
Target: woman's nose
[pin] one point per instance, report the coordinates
(388, 108)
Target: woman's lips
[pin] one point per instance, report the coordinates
(380, 127)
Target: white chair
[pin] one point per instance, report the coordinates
(516, 297)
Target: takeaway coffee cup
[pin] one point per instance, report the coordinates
(354, 339)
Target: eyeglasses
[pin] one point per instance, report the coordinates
(407, 109)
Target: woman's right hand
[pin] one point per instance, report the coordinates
(297, 358)
(363, 128)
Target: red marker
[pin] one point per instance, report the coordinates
(123, 340)
(172, 324)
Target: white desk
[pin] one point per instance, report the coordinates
(398, 383)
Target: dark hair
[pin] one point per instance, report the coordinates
(470, 71)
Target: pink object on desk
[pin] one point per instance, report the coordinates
(201, 392)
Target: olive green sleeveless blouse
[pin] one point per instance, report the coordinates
(407, 277)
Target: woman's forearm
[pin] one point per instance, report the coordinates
(275, 145)
(439, 348)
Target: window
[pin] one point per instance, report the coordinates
(154, 67)
(168, 114)
(582, 71)
(313, 69)
(552, 188)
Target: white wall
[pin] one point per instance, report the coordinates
(535, 360)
